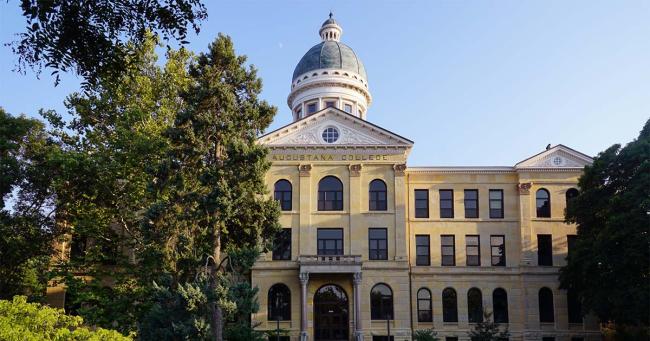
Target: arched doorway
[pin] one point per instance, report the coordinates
(331, 313)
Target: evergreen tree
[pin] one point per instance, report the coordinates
(488, 330)
(211, 191)
(608, 268)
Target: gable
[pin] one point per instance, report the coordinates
(559, 156)
(351, 131)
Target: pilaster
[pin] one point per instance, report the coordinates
(400, 188)
(305, 245)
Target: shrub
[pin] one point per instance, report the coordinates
(20, 320)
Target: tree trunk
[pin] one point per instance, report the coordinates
(216, 318)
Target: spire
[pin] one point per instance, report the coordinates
(330, 30)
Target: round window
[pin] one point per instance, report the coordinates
(330, 135)
(557, 161)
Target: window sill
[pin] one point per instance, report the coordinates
(377, 212)
(289, 212)
(329, 212)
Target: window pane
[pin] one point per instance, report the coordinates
(378, 243)
(448, 250)
(282, 245)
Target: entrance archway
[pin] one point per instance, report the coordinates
(331, 314)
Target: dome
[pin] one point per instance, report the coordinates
(330, 55)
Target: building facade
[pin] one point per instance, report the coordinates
(371, 246)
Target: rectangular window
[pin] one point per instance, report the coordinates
(312, 107)
(448, 250)
(471, 203)
(496, 203)
(282, 245)
(378, 243)
(330, 241)
(422, 203)
(570, 243)
(446, 203)
(382, 338)
(451, 338)
(473, 250)
(544, 250)
(299, 113)
(347, 108)
(498, 250)
(330, 104)
(422, 250)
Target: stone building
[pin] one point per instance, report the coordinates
(370, 244)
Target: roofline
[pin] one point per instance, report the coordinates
(583, 155)
(341, 112)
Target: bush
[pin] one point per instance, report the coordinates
(20, 320)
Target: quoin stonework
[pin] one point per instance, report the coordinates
(370, 244)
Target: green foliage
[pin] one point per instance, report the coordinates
(89, 37)
(20, 321)
(488, 330)
(425, 335)
(27, 227)
(157, 173)
(609, 266)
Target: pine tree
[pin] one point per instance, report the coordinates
(488, 330)
(211, 190)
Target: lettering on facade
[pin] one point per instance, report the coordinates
(329, 157)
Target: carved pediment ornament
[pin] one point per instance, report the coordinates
(399, 169)
(304, 170)
(355, 170)
(524, 188)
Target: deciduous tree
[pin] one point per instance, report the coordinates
(90, 37)
(609, 267)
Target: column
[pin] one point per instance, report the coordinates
(401, 198)
(304, 279)
(358, 327)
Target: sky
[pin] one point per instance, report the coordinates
(472, 83)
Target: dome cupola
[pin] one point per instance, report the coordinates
(329, 75)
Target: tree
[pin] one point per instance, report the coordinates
(211, 191)
(425, 335)
(488, 330)
(608, 269)
(20, 320)
(27, 227)
(90, 37)
(111, 144)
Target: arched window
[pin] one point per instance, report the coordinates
(424, 305)
(282, 193)
(449, 305)
(377, 196)
(330, 194)
(546, 305)
(474, 306)
(570, 194)
(381, 302)
(500, 305)
(543, 199)
(279, 303)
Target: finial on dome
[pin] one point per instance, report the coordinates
(330, 30)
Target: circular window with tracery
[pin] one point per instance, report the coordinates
(557, 161)
(330, 135)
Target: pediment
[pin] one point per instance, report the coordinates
(350, 131)
(559, 156)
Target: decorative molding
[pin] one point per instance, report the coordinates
(320, 84)
(357, 278)
(400, 169)
(304, 277)
(524, 188)
(304, 170)
(355, 170)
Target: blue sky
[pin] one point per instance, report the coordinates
(471, 82)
